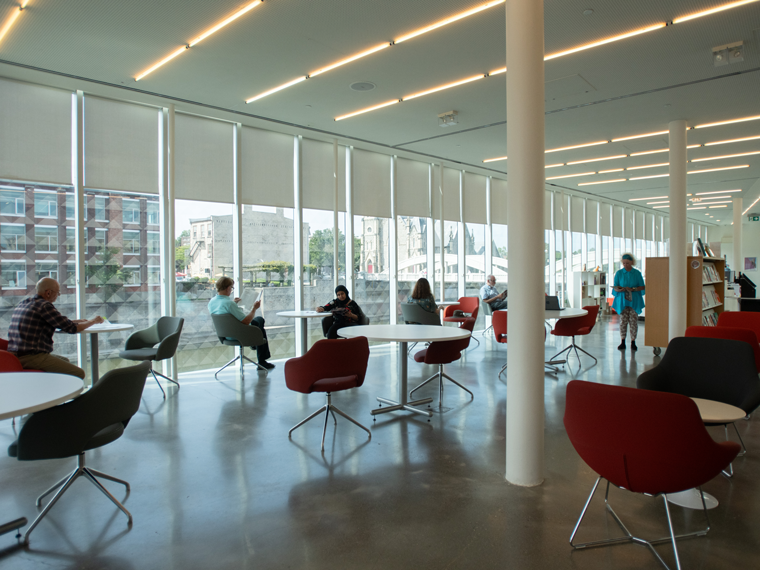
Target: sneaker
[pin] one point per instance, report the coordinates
(633, 345)
(622, 346)
(267, 365)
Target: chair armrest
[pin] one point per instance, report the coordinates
(168, 347)
(248, 335)
(146, 338)
(449, 311)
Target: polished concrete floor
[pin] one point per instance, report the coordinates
(217, 484)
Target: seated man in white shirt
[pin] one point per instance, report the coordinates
(491, 296)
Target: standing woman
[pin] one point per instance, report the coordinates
(628, 289)
(345, 313)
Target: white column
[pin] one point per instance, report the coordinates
(237, 214)
(525, 145)
(350, 220)
(336, 225)
(488, 267)
(738, 264)
(77, 181)
(393, 246)
(443, 237)
(298, 260)
(461, 242)
(677, 272)
(167, 215)
(430, 253)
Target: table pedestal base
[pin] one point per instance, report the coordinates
(690, 499)
(408, 406)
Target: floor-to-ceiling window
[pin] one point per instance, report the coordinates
(372, 268)
(412, 253)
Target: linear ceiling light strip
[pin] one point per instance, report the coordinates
(602, 182)
(729, 122)
(724, 156)
(732, 141)
(650, 198)
(716, 192)
(12, 19)
(368, 109)
(713, 11)
(244, 10)
(744, 213)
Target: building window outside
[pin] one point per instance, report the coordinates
(101, 215)
(13, 275)
(132, 275)
(45, 205)
(101, 240)
(131, 241)
(130, 211)
(46, 270)
(70, 210)
(154, 244)
(71, 274)
(12, 237)
(11, 202)
(152, 213)
(154, 275)
(46, 239)
(208, 230)
(71, 240)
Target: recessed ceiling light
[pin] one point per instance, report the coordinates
(588, 12)
(362, 86)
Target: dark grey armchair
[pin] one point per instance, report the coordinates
(92, 420)
(232, 332)
(414, 314)
(155, 343)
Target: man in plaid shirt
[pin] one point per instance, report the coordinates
(34, 320)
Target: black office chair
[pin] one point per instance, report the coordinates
(154, 344)
(232, 332)
(415, 314)
(708, 368)
(92, 420)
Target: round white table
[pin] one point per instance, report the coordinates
(711, 412)
(563, 314)
(403, 334)
(304, 329)
(93, 331)
(26, 392)
(446, 303)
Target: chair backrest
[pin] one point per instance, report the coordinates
(647, 442)
(499, 322)
(486, 307)
(328, 359)
(9, 362)
(740, 320)
(66, 430)
(577, 325)
(468, 324)
(169, 331)
(729, 333)
(445, 351)
(414, 313)
(709, 368)
(228, 327)
(470, 305)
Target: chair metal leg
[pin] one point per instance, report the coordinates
(172, 380)
(444, 375)
(744, 449)
(329, 409)
(475, 339)
(312, 416)
(233, 361)
(114, 500)
(38, 502)
(564, 350)
(503, 369)
(70, 479)
(159, 383)
(433, 377)
(577, 348)
(108, 477)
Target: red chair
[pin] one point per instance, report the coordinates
(440, 353)
(740, 320)
(466, 305)
(499, 324)
(3, 344)
(729, 333)
(329, 366)
(469, 324)
(645, 442)
(579, 326)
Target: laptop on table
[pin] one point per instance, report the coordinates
(551, 303)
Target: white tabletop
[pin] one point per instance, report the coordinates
(718, 412)
(26, 392)
(303, 314)
(446, 303)
(404, 333)
(107, 327)
(565, 314)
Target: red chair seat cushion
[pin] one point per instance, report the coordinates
(335, 384)
(420, 356)
(455, 319)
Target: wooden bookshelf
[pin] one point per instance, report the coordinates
(705, 293)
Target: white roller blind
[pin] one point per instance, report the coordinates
(639, 225)
(35, 133)
(451, 195)
(412, 184)
(605, 219)
(577, 209)
(548, 209)
(666, 228)
(689, 232)
(592, 216)
(474, 198)
(318, 168)
(120, 146)
(649, 230)
(658, 228)
(203, 159)
(560, 212)
(372, 184)
(617, 221)
(499, 201)
(628, 223)
(267, 166)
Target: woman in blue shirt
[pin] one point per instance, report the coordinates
(628, 289)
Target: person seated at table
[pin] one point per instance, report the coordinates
(222, 304)
(345, 313)
(423, 296)
(491, 295)
(33, 323)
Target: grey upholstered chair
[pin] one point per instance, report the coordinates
(92, 420)
(414, 314)
(488, 311)
(232, 332)
(155, 343)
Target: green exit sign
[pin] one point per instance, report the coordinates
(754, 218)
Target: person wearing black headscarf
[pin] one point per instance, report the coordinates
(345, 313)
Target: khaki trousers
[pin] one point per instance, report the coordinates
(51, 363)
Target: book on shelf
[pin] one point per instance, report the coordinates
(709, 251)
(710, 319)
(705, 303)
(701, 247)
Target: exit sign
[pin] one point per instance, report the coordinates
(754, 218)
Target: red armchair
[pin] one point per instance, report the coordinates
(440, 353)
(466, 305)
(740, 320)
(642, 441)
(329, 366)
(499, 324)
(579, 326)
(729, 333)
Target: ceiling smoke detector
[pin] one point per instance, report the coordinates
(447, 119)
(363, 86)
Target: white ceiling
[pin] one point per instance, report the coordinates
(633, 86)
